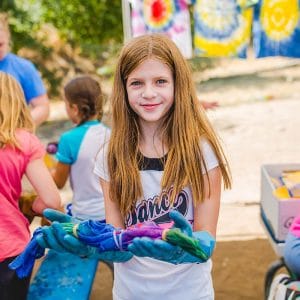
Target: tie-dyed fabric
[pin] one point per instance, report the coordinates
(276, 28)
(163, 16)
(222, 28)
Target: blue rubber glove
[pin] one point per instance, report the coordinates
(55, 215)
(54, 237)
(161, 250)
(49, 238)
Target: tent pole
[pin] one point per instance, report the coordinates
(126, 20)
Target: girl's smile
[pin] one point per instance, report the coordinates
(150, 107)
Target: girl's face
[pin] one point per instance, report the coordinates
(150, 89)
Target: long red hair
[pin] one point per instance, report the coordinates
(185, 126)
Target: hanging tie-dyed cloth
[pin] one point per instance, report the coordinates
(276, 28)
(163, 16)
(222, 28)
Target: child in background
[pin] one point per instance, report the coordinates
(292, 248)
(77, 148)
(20, 153)
(163, 155)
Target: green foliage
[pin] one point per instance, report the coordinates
(93, 26)
(88, 24)
(7, 4)
(22, 28)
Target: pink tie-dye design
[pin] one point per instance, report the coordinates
(295, 227)
(169, 16)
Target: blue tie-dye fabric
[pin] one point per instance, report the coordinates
(222, 27)
(276, 28)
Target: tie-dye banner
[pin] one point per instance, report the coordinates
(222, 28)
(163, 16)
(276, 28)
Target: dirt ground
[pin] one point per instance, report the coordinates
(258, 122)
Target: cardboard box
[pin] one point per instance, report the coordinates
(279, 213)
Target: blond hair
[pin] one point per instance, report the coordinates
(185, 126)
(14, 112)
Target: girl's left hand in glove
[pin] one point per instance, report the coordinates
(161, 250)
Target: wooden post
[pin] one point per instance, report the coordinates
(126, 20)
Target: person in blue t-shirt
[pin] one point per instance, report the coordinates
(25, 73)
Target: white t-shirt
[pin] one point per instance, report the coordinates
(78, 148)
(147, 278)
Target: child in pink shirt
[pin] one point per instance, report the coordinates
(20, 153)
(292, 248)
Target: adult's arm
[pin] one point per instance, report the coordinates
(40, 109)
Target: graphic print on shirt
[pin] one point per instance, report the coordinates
(157, 209)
